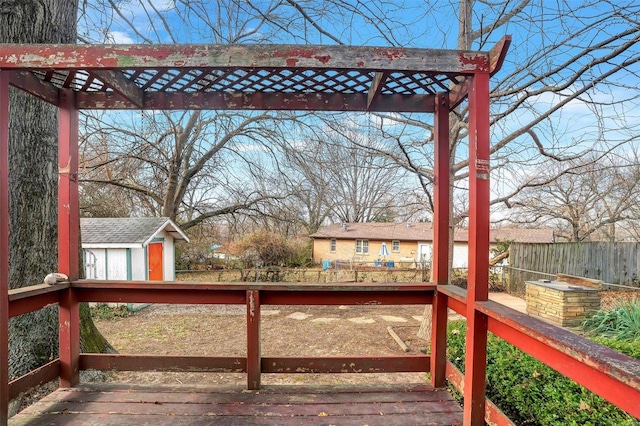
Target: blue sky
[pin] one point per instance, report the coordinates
(555, 39)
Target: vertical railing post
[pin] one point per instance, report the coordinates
(68, 236)
(4, 247)
(478, 279)
(440, 264)
(253, 340)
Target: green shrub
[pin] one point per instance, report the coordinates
(628, 348)
(621, 323)
(529, 392)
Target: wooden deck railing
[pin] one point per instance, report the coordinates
(253, 296)
(613, 376)
(607, 373)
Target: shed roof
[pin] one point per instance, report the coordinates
(423, 231)
(127, 230)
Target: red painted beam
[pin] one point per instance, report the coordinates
(69, 331)
(442, 191)
(375, 90)
(4, 247)
(253, 339)
(440, 264)
(456, 298)
(337, 287)
(439, 340)
(354, 364)
(180, 56)
(175, 296)
(498, 53)
(235, 293)
(478, 276)
(33, 302)
(171, 363)
(68, 204)
(124, 87)
(45, 374)
(347, 298)
(34, 291)
(492, 415)
(606, 372)
(259, 101)
(68, 236)
(28, 82)
(459, 92)
(610, 374)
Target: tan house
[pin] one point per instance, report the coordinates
(403, 244)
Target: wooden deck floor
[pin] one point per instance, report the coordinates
(273, 405)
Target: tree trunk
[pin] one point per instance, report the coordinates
(33, 178)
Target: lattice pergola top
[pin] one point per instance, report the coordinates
(285, 77)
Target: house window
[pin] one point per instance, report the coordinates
(395, 246)
(332, 246)
(362, 246)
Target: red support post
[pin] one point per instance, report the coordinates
(68, 237)
(478, 279)
(68, 205)
(4, 247)
(253, 340)
(440, 264)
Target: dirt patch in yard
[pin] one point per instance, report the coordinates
(609, 300)
(220, 330)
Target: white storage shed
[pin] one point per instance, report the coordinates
(136, 248)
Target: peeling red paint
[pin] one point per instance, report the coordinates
(474, 61)
(294, 51)
(323, 58)
(292, 56)
(360, 64)
(391, 53)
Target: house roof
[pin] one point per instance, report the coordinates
(423, 231)
(127, 230)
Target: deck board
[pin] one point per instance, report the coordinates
(282, 405)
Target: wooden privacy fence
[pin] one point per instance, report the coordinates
(615, 263)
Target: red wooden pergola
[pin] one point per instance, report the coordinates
(286, 77)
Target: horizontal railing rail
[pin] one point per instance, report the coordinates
(33, 298)
(613, 376)
(607, 373)
(253, 295)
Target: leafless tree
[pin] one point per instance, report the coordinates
(567, 85)
(176, 165)
(588, 201)
(333, 179)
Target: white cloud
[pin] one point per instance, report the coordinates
(119, 37)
